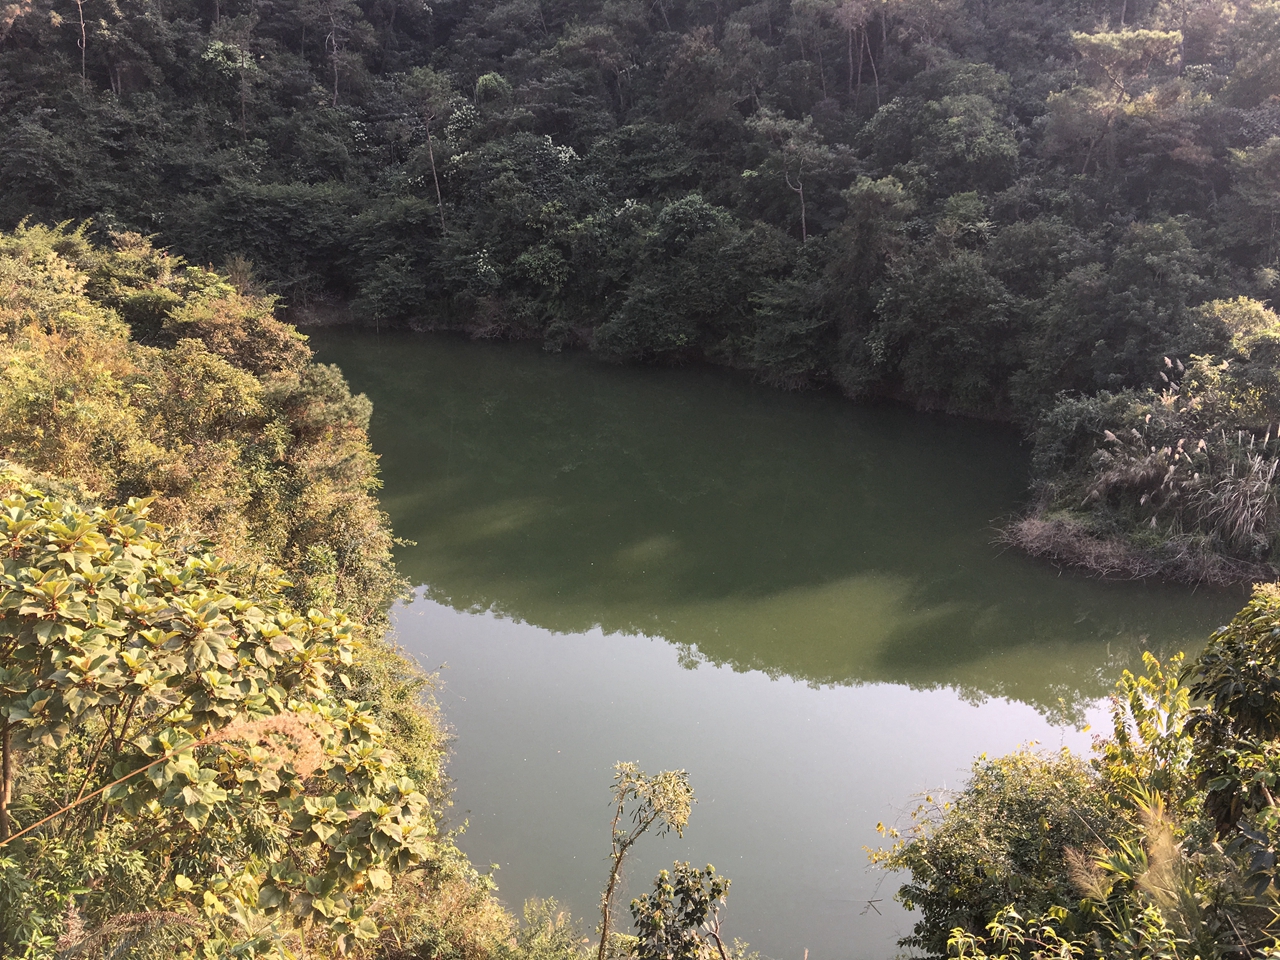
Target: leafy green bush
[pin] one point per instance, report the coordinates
(1001, 841)
(1163, 845)
(167, 706)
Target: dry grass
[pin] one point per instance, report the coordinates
(1067, 542)
(292, 736)
(140, 935)
(451, 915)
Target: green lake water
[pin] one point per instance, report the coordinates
(794, 597)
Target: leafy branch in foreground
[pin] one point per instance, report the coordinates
(680, 919)
(174, 706)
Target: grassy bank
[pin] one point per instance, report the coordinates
(1177, 482)
(1072, 541)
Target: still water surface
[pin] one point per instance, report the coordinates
(791, 596)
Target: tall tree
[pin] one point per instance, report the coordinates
(433, 97)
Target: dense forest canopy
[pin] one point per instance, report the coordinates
(1041, 211)
(982, 206)
(974, 205)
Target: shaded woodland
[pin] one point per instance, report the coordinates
(979, 206)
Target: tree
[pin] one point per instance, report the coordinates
(680, 919)
(1000, 841)
(948, 131)
(807, 22)
(1126, 56)
(1235, 683)
(664, 800)
(1252, 221)
(432, 95)
(1117, 61)
(1257, 63)
(872, 235)
(802, 152)
(942, 321)
(340, 22)
(83, 43)
(667, 307)
(240, 434)
(852, 15)
(1164, 845)
(232, 54)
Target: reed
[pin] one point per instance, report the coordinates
(1240, 509)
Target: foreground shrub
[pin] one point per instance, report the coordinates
(1165, 844)
(1000, 841)
(170, 721)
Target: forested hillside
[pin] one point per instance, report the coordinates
(973, 205)
(1063, 214)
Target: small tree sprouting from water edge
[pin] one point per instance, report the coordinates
(665, 800)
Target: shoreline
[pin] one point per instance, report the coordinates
(1061, 540)
(1067, 542)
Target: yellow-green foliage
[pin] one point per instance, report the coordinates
(132, 373)
(167, 704)
(125, 372)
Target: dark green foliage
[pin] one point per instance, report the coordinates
(1237, 679)
(945, 326)
(1003, 840)
(965, 205)
(946, 130)
(670, 307)
(679, 920)
(1101, 323)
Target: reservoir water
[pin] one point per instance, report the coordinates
(794, 597)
